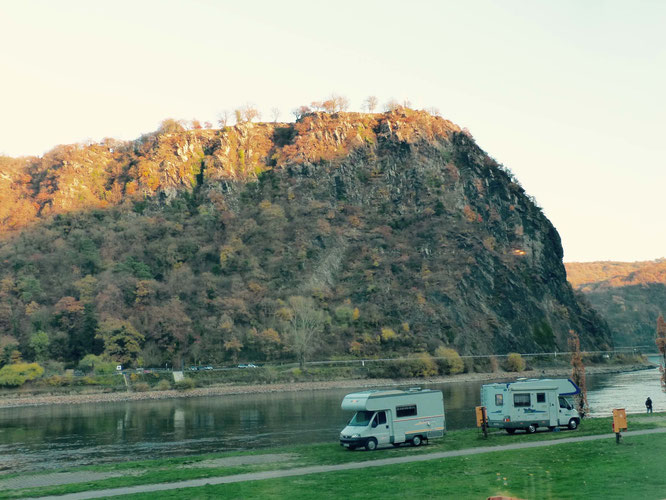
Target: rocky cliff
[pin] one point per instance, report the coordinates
(402, 231)
(631, 295)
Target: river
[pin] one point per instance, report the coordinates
(53, 437)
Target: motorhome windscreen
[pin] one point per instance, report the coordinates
(361, 419)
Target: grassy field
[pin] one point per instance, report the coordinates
(591, 469)
(600, 469)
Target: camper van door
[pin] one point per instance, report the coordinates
(380, 427)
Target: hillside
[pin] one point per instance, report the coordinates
(391, 233)
(630, 295)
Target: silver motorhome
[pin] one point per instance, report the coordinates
(531, 403)
(392, 417)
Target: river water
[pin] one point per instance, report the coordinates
(53, 437)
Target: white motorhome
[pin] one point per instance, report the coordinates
(392, 417)
(531, 403)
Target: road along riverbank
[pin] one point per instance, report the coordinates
(10, 401)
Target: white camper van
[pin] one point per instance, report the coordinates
(531, 403)
(392, 417)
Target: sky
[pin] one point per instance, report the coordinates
(569, 95)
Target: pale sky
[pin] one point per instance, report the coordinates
(567, 94)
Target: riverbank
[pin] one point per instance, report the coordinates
(545, 464)
(228, 389)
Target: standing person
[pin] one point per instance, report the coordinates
(648, 404)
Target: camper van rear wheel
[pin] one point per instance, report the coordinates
(416, 440)
(371, 445)
(573, 423)
(531, 429)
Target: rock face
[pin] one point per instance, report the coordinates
(404, 232)
(631, 295)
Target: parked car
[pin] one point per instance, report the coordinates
(248, 365)
(207, 367)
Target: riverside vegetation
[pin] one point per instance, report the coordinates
(339, 236)
(558, 471)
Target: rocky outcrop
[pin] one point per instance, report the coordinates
(399, 226)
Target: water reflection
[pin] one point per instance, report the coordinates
(68, 435)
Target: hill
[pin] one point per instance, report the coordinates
(387, 233)
(630, 295)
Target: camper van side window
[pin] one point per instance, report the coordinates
(405, 411)
(499, 399)
(521, 400)
(541, 397)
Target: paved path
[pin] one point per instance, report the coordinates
(315, 469)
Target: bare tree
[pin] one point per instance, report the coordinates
(301, 111)
(578, 372)
(223, 118)
(392, 105)
(341, 102)
(305, 327)
(250, 113)
(371, 103)
(275, 114)
(661, 345)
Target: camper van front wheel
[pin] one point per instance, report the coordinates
(416, 440)
(371, 445)
(531, 429)
(573, 423)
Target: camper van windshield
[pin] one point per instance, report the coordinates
(361, 419)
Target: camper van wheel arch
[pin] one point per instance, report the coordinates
(371, 445)
(573, 423)
(416, 441)
(531, 429)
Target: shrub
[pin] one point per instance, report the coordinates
(515, 362)
(141, 387)
(422, 365)
(450, 362)
(163, 385)
(17, 374)
(185, 384)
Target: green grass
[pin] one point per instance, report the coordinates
(600, 469)
(170, 470)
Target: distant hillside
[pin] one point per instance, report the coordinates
(630, 295)
(394, 233)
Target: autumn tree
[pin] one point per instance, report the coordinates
(449, 360)
(275, 114)
(661, 345)
(305, 327)
(515, 362)
(578, 372)
(171, 126)
(122, 342)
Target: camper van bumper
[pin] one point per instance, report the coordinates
(349, 442)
